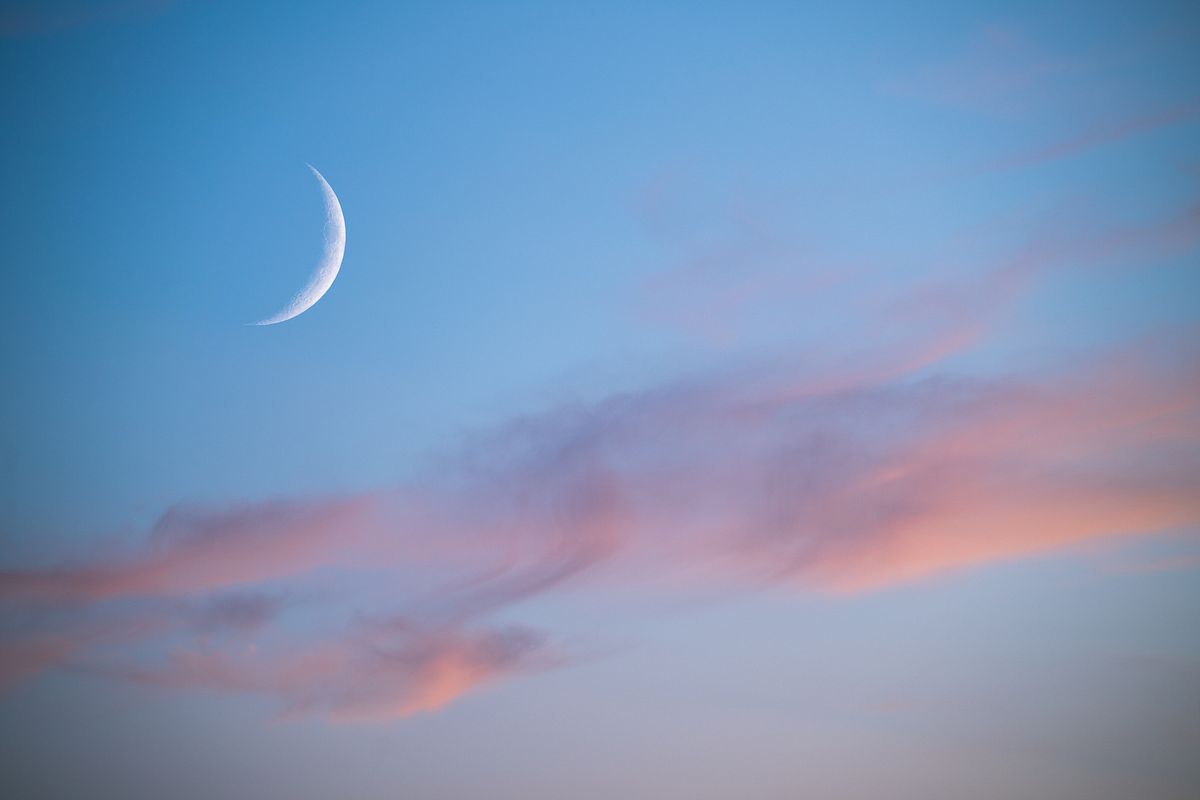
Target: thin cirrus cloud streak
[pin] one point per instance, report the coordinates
(1095, 137)
(236, 615)
(1001, 70)
(192, 551)
(1101, 134)
(881, 468)
(997, 70)
(378, 670)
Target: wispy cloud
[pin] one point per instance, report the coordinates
(192, 551)
(52, 636)
(1098, 135)
(995, 70)
(1095, 98)
(737, 478)
(864, 469)
(377, 670)
(28, 656)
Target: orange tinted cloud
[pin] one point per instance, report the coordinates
(851, 474)
(193, 551)
(724, 479)
(378, 670)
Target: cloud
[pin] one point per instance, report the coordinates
(31, 649)
(23, 658)
(847, 473)
(378, 670)
(740, 477)
(1107, 132)
(243, 613)
(1001, 71)
(996, 70)
(192, 551)
(743, 476)
(867, 486)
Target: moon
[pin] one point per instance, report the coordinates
(326, 271)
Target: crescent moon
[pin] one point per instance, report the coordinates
(326, 271)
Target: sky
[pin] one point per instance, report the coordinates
(761, 400)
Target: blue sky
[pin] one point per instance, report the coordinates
(714, 398)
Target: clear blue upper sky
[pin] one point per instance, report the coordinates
(577, 236)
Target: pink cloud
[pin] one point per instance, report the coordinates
(90, 630)
(192, 551)
(1001, 71)
(1098, 135)
(996, 71)
(379, 670)
(725, 479)
(23, 658)
(848, 475)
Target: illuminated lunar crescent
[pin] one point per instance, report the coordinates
(326, 271)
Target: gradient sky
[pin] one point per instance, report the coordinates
(757, 400)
